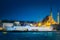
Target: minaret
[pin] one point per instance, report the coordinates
(58, 17)
(51, 12)
(50, 8)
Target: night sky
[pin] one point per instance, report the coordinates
(28, 10)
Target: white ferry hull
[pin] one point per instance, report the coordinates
(27, 28)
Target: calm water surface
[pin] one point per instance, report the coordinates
(30, 36)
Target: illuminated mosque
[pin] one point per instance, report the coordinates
(48, 21)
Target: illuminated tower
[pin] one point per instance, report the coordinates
(58, 17)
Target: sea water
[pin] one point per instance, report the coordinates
(30, 36)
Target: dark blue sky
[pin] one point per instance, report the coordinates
(28, 10)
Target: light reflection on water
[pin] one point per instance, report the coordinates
(29, 36)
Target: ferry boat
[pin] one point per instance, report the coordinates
(12, 27)
(28, 28)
